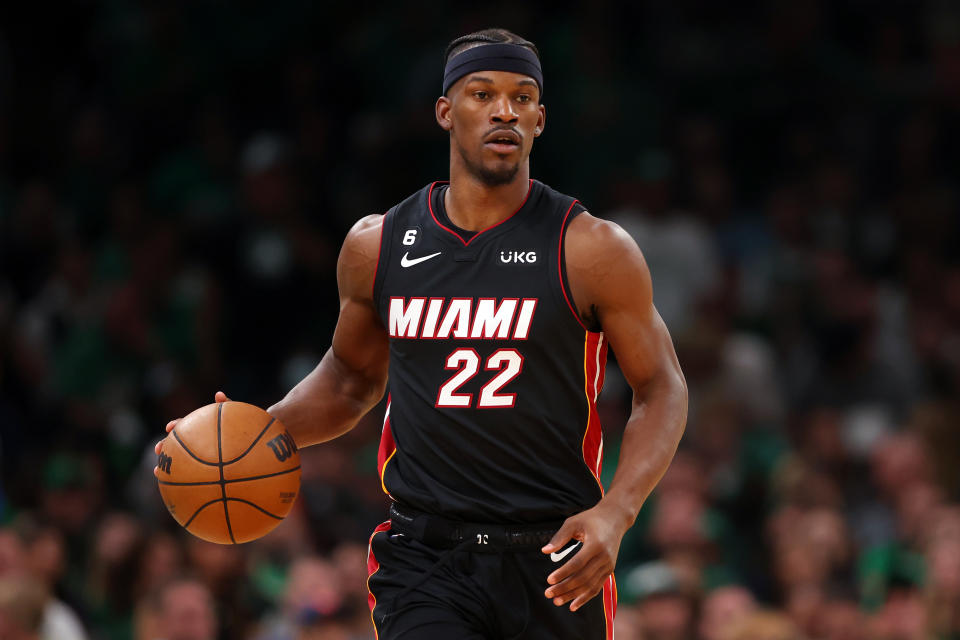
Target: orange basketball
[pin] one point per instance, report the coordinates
(229, 472)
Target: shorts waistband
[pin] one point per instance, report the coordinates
(492, 538)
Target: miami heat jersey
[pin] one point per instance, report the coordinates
(493, 378)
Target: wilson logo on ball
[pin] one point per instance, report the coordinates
(164, 462)
(283, 446)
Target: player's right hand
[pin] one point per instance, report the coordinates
(219, 396)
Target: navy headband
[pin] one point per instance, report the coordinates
(493, 57)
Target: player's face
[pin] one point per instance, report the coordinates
(492, 117)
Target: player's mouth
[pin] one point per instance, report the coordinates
(502, 141)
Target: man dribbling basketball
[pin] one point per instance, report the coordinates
(490, 300)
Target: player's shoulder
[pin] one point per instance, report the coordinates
(599, 235)
(360, 252)
(364, 235)
(357, 263)
(595, 246)
(592, 243)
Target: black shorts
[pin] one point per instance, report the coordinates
(473, 595)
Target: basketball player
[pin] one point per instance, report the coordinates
(489, 302)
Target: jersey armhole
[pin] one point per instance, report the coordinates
(575, 209)
(383, 257)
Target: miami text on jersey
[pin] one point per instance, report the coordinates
(467, 318)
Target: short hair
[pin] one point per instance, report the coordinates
(486, 36)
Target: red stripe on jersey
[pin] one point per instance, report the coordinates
(598, 387)
(609, 604)
(563, 288)
(594, 362)
(466, 243)
(372, 567)
(603, 366)
(387, 447)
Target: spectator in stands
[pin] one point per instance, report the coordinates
(722, 608)
(181, 609)
(22, 602)
(19, 562)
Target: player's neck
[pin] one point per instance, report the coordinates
(473, 206)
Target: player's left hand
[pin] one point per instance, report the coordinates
(582, 577)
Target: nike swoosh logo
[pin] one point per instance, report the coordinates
(557, 556)
(407, 262)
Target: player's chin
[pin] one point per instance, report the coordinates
(495, 177)
(503, 166)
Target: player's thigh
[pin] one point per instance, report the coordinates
(419, 621)
(543, 620)
(404, 607)
(550, 622)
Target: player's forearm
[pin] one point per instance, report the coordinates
(328, 402)
(650, 441)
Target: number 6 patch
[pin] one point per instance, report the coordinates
(410, 236)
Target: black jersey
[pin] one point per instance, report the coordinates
(493, 382)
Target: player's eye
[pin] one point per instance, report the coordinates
(480, 95)
(523, 98)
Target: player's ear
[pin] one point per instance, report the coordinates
(541, 121)
(442, 111)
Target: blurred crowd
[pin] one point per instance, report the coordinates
(175, 181)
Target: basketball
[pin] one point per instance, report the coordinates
(229, 472)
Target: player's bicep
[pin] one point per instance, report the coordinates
(359, 341)
(615, 282)
(630, 321)
(642, 344)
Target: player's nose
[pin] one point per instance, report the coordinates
(504, 111)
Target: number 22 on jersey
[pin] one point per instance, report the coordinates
(508, 363)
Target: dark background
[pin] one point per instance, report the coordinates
(176, 179)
